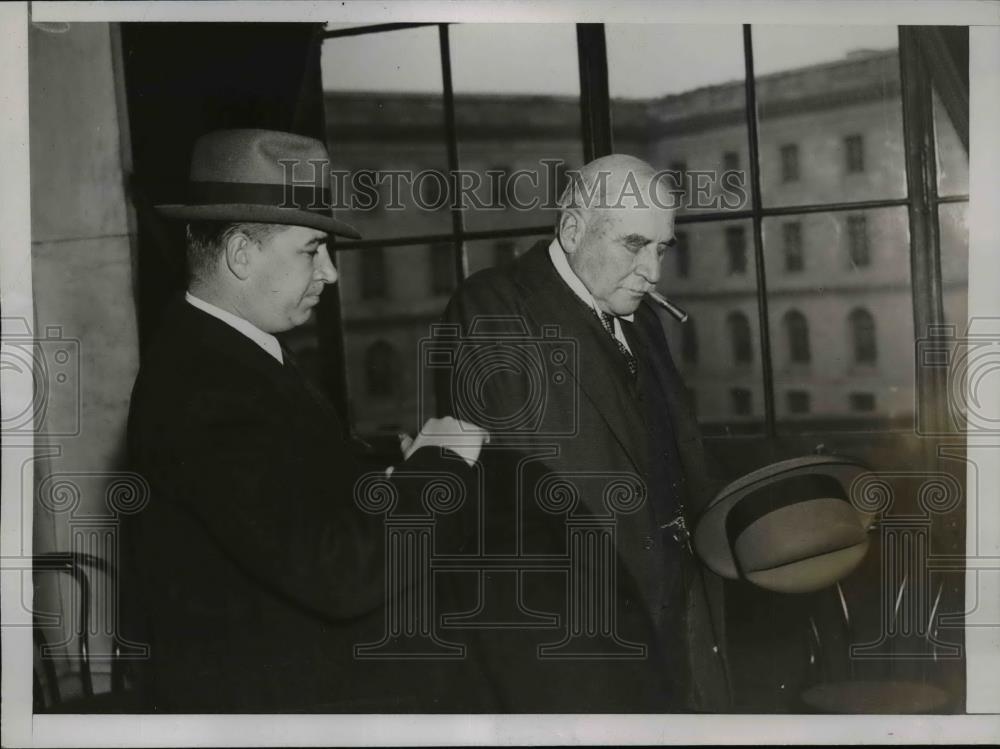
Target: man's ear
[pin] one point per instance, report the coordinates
(237, 255)
(571, 230)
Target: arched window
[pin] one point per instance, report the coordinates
(863, 336)
(797, 331)
(739, 337)
(689, 342)
(381, 364)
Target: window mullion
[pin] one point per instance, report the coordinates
(758, 237)
(921, 185)
(329, 318)
(595, 102)
(457, 220)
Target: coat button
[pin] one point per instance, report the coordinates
(647, 542)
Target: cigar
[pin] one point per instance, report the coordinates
(669, 306)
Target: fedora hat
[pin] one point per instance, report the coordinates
(790, 526)
(261, 176)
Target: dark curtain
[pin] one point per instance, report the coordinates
(186, 79)
(945, 50)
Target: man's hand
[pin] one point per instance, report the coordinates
(461, 437)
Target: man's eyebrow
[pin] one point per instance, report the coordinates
(315, 241)
(635, 238)
(672, 242)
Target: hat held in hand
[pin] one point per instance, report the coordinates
(260, 176)
(788, 527)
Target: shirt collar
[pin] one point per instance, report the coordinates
(567, 274)
(265, 340)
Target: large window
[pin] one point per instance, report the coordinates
(823, 226)
(767, 273)
(427, 100)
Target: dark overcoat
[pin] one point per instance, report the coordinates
(252, 573)
(592, 422)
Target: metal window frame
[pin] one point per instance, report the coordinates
(921, 200)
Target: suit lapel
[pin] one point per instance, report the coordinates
(605, 384)
(211, 338)
(601, 381)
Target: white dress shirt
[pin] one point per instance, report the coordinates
(265, 340)
(572, 280)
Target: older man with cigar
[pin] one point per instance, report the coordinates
(254, 573)
(623, 413)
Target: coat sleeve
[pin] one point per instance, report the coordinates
(486, 381)
(284, 510)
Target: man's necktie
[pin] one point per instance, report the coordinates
(608, 321)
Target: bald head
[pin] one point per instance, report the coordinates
(615, 181)
(616, 221)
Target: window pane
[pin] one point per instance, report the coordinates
(382, 334)
(516, 120)
(842, 326)
(953, 221)
(952, 160)
(385, 115)
(830, 113)
(718, 349)
(688, 116)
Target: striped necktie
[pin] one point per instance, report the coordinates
(608, 321)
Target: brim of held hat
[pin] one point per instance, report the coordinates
(710, 538)
(263, 214)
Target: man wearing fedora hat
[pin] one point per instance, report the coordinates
(255, 574)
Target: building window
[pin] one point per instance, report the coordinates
(442, 268)
(741, 401)
(497, 179)
(372, 273)
(682, 255)
(689, 342)
(730, 161)
(739, 337)
(862, 402)
(736, 246)
(789, 163)
(854, 150)
(863, 336)
(797, 331)
(503, 252)
(857, 239)
(791, 234)
(381, 365)
(799, 402)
